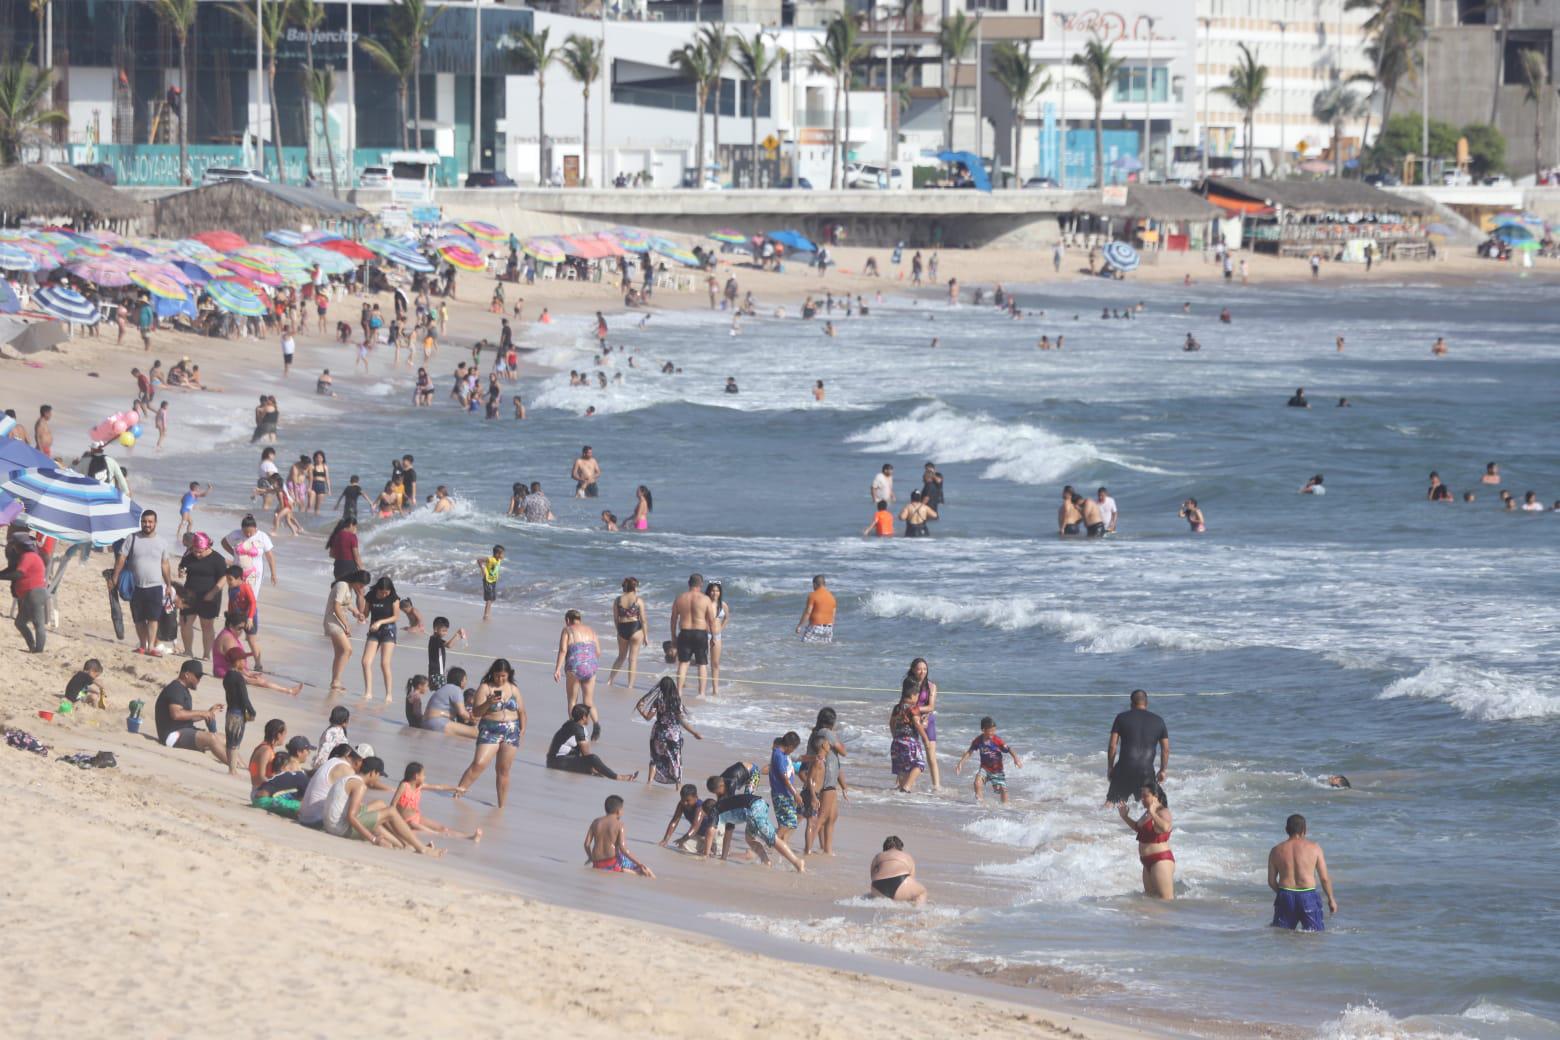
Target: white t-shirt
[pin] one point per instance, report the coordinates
(336, 801)
(1317, 489)
(311, 807)
(882, 488)
(289, 346)
(249, 553)
(1108, 512)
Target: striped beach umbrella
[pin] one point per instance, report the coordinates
(284, 237)
(631, 239)
(158, 284)
(1121, 256)
(543, 249)
(71, 507)
(349, 249)
(407, 258)
(104, 272)
(198, 273)
(481, 229)
(9, 304)
(15, 258)
(67, 305)
(196, 250)
(461, 257)
(88, 251)
(235, 298)
(221, 241)
(48, 256)
(329, 261)
(253, 270)
(729, 236)
(15, 454)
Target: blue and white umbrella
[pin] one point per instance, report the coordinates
(284, 237)
(408, 259)
(15, 454)
(1121, 256)
(9, 304)
(73, 508)
(67, 305)
(15, 258)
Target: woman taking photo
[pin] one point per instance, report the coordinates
(578, 654)
(628, 617)
(908, 752)
(717, 594)
(917, 683)
(500, 715)
(663, 708)
(384, 610)
(1153, 835)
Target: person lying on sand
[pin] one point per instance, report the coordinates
(605, 839)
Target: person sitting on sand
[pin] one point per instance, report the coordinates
(176, 716)
(348, 815)
(570, 749)
(87, 685)
(893, 874)
(605, 841)
(408, 802)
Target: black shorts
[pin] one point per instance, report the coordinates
(693, 644)
(1096, 530)
(1070, 529)
(146, 605)
(343, 569)
(206, 610)
(489, 591)
(627, 630)
(233, 729)
(590, 490)
(182, 739)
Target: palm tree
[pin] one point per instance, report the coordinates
(692, 63)
(1504, 11)
(1246, 89)
(418, 17)
(757, 63)
(715, 42)
(393, 54)
(309, 15)
(1336, 105)
(25, 90)
(1394, 28)
(534, 46)
(322, 87)
(179, 18)
(1535, 77)
(272, 26)
(836, 53)
(1100, 65)
(954, 38)
(1024, 81)
(581, 56)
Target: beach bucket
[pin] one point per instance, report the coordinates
(46, 716)
(133, 725)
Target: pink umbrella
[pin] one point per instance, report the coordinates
(106, 273)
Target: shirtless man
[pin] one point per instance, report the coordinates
(893, 874)
(586, 472)
(1093, 519)
(604, 842)
(1491, 472)
(1068, 516)
(43, 436)
(1294, 868)
(693, 616)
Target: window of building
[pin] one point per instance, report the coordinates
(1132, 82)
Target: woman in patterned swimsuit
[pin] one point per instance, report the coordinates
(500, 714)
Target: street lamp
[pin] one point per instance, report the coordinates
(1061, 167)
(1283, 98)
(1207, 74)
(1148, 94)
(476, 90)
(890, 100)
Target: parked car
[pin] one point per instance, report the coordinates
(1383, 180)
(1041, 182)
(489, 179)
(101, 171)
(868, 175)
(1456, 179)
(219, 174)
(1496, 180)
(374, 177)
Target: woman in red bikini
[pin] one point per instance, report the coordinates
(1153, 835)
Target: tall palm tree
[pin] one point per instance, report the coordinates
(393, 54)
(833, 57)
(1336, 105)
(535, 48)
(1246, 89)
(322, 88)
(272, 26)
(178, 16)
(1535, 77)
(715, 42)
(1024, 81)
(1393, 29)
(955, 37)
(692, 63)
(1504, 10)
(309, 15)
(757, 63)
(581, 56)
(25, 90)
(1100, 65)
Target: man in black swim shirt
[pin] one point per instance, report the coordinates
(1135, 736)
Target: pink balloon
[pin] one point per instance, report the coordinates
(120, 426)
(132, 417)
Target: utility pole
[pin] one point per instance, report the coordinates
(476, 90)
(606, 80)
(1207, 137)
(1148, 112)
(351, 104)
(259, 92)
(1283, 98)
(980, 74)
(889, 100)
(1061, 166)
(796, 118)
(1424, 110)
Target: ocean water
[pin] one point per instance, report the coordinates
(1409, 645)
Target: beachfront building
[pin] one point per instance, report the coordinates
(1308, 45)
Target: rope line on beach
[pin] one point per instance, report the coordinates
(1013, 694)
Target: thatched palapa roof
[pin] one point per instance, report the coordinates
(250, 208)
(49, 192)
(1298, 196)
(1165, 202)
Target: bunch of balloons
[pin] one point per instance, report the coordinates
(124, 427)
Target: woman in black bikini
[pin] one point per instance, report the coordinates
(893, 874)
(628, 618)
(319, 482)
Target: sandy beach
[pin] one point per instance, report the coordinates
(198, 912)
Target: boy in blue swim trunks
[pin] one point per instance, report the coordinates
(782, 786)
(991, 748)
(605, 839)
(187, 507)
(698, 814)
(1295, 868)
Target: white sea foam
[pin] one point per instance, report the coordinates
(1092, 633)
(1369, 1022)
(1020, 452)
(1486, 694)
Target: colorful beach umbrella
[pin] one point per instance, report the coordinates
(158, 284)
(67, 305)
(133, 252)
(15, 258)
(794, 241)
(631, 239)
(15, 454)
(408, 259)
(328, 261)
(284, 237)
(72, 507)
(729, 236)
(461, 257)
(1121, 256)
(221, 241)
(677, 254)
(9, 304)
(107, 273)
(481, 229)
(351, 250)
(197, 272)
(1513, 233)
(196, 250)
(544, 250)
(48, 256)
(251, 269)
(235, 298)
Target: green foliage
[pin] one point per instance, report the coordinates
(1400, 138)
(1486, 148)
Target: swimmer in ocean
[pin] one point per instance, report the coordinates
(1193, 516)
(1491, 473)
(818, 391)
(1068, 516)
(1093, 521)
(1191, 344)
(1295, 867)
(1299, 401)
